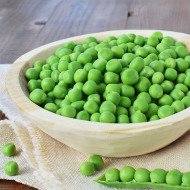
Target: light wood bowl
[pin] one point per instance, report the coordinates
(111, 140)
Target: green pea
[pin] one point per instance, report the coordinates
(170, 63)
(9, 149)
(59, 91)
(38, 96)
(123, 118)
(123, 39)
(80, 75)
(83, 115)
(32, 74)
(46, 67)
(48, 100)
(181, 65)
(128, 57)
(91, 106)
(62, 83)
(120, 111)
(145, 96)
(63, 52)
(68, 77)
(110, 38)
(156, 91)
(130, 77)
(52, 59)
(48, 84)
(181, 51)
(54, 66)
(55, 76)
(74, 56)
(89, 87)
(131, 110)
(95, 75)
(74, 66)
(158, 176)
(127, 91)
(75, 95)
(95, 117)
(69, 45)
(100, 64)
(131, 37)
(90, 39)
(113, 97)
(107, 106)
(68, 111)
(78, 105)
(88, 67)
(38, 68)
(182, 87)
(127, 174)
(86, 46)
(165, 111)
(51, 107)
(174, 177)
(79, 48)
(125, 102)
(177, 94)
(157, 66)
(138, 117)
(111, 78)
(153, 57)
(165, 100)
(92, 44)
(152, 110)
(178, 106)
(51, 95)
(101, 88)
(143, 84)
(11, 168)
(180, 78)
(185, 179)
(158, 34)
(87, 168)
(107, 117)
(169, 41)
(186, 101)
(142, 52)
(57, 102)
(187, 58)
(130, 46)
(65, 58)
(118, 51)
(113, 43)
(45, 74)
(112, 174)
(167, 86)
(161, 47)
(112, 87)
(84, 58)
(154, 118)
(179, 44)
(123, 63)
(187, 81)
(105, 53)
(150, 49)
(97, 161)
(95, 97)
(34, 84)
(38, 63)
(142, 175)
(137, 64)
(58, 111)
(141, 104)
(157, 78)
(92, 52)
(147, 72)
(170, 74)
(139, 40)
(114, 65)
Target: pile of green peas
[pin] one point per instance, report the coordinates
(142, 178)
(125, 79)
(11, 168)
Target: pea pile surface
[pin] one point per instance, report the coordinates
(129, 79)
(141, 178)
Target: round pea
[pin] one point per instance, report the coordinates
(95, 117)
(165, 100)
(186, 101)
(118, 52)
(32, 74)
(167, 86)
(158, 34)
(107, 106)
(87, 168)
(170, 74)
(138, 117)
(139, 40)
(107, 117)
(152, 56)
(174, 177)
(178, 106)
(123, 39)
(83, 115)
(137, 64)
(165, 111)
(59, 91)
(127, 91)
(97, 161)
(177, 94)
(68, 77)
(186, 179)
(130, 76)
(34, 84)
(105, 53)
(38, 63)
(154, 118)
(68, 111)
(9, 149)
(38, 96)
(180, 78)
(113, 97)
(51, 107)
(156, 91)
(182, 87)
(157, 78)
(127, 174)
(169, 41)
(181, 65)
(187, 81)
(112, 174)
(181, 51)
(48, 84)
(147, 72)
(143, 84)
(158, 176)
(152, 110)
(123, 118)
(91, 106)
(100, 64)
(69, 45)
(11, 168)
(142, 175)
(120, 111)
(114, 65)
(128, 57)
(84, 58)
(157, 66)
(125, 102)
(170, 63)
(141, 104)
(89, 87)
(95, 75)
(111, 78)
(161, 47)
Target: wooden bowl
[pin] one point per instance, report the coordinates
(111, 140)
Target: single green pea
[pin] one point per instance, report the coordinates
(127, 174)
(83, 115)
(9, 149)
(187, 81)
(89, 87)
(100, 64)
(54, 66)
(186, 101)
(34, 84)
(68, 111)
(147, 72)
(92, 52)
(171, 52)
(113, 43)
(92, 44)
(51, 95)
(167, 86)
(121, 111)
(158, 34)
(88, 67)
(161, 47)
(45, 74)
(38, 63)
(46, 67)
(48, 84)
(95, 97)
(153, 41)
(107, 106)
(156, 91)
(165, 100)
(57, 102)
(157, 78)
(87, 168)
(59, 91)
(91, 106)
(84, 58)
(110, 38)
(142, 52)
(74, 56)
(74, 66)
(130, 76)
(68, 77)
(114, 65)
(48, 100)
(157, 66)
(79, 48)
(69, 45)
(165, 111)
(179, 44)
(123, 63)
(127, 91)
(123, 119)
(182, 87)
(143, 84)
(131, 37)
(154, 118)
(65, 58)
(123, 39)
(11, 168)
(113, 97)
(97, 161)
(169, 41)
(150, 49)
(181, 51)
(75, 95)
(107, 117)
(181, 65)
(145, 96)
(141, 104)
(178, 106)
(174, 177)
(170, 74)
(125, 102)
(101, 88)
(51, 107)
(142, 175)
(58, 111)
(118, 51)
(185, 179)
(78, 105)
(152, 110)
(158, 176)
(137, 64)
(95, 117)
(86, 46)
(138, 117)
(111, 78)
(62, 52)
(62, 83)
(80, 75)
(130, 46)
(32, 74)
(105, 53)
(170, 63)
(180, 78)
(55, 76)
(112, 87)
(38, 96)
(129, 57)
(119, 54)
(112, 174)
(177, 94)
(139, 40)
(90, 39)
(52, 59)
(95, 75)
(38, 68)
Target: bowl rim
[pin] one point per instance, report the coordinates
(32, 110)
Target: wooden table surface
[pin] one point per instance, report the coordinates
(27, 24)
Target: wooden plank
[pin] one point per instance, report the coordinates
(17, 25)
(13, 185)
